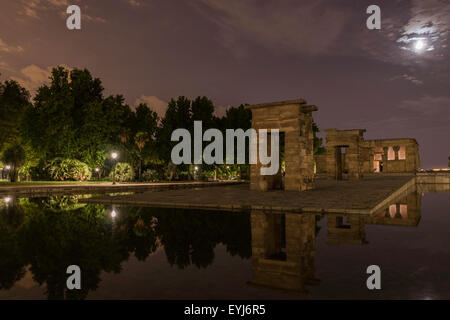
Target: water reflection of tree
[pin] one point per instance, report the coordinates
(52, 241)
(12, 262)
(48, 236)
(137, 232)
(189, 237)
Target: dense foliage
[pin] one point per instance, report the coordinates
(122, 172)
(72, 128)
(68, 169)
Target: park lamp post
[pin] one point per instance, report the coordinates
(114, 156)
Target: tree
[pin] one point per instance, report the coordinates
(238, 118)
(141, 140)
(202, 110)
(144, 128)
(318, 148)
(178, 115)
(71, 119)
(14, 99)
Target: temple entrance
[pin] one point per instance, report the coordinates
(377, 166)
(294, 121)
(341, 172)
(344, 155)
(276, 237)
(378, 160)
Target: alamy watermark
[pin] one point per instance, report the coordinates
(213, 152)
(374, 280)
(74, 280)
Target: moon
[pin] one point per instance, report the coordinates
(419, 45)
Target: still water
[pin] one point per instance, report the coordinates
(150, 253)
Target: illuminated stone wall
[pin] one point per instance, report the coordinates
(294, 119)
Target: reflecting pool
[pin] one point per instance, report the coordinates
(129, 252)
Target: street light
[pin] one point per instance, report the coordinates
(98, 173)
(8, 167)
(114, 156)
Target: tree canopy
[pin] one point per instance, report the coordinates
(71, 118)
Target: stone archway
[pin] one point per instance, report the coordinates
(294, 119)
(350, 140)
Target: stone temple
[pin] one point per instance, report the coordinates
(294, 120)
(348, 154)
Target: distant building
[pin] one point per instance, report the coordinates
(348, 154)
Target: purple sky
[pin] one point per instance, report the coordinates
(253, 51)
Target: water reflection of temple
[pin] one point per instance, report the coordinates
(283, 245)
(351, 229)
(403, 212)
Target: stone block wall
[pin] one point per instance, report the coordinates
(366, 156)
(336, 140)
(410, 164)
(294, 119)
(297, 233)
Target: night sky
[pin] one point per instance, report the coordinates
(253, 51)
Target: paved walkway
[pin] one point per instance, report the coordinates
(102, 187)
(329, 196)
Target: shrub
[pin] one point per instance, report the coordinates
(122, 172)
(68, 169)
(151, 175)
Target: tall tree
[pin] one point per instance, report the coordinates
(71, 119)
(178, 115)
(14, 100)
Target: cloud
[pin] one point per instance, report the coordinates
(33, 8)
(32, 77)
(428, 106)
(4, 47)
(154, 103)
(411, 117)
(279, 26)
(135, 3)
(430, 21)
(408, 78)
(5, 66)
(93, 19)
(431, 17)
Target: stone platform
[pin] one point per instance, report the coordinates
(362, 196)
(35, 190)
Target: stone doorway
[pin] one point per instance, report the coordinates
(293, 119)
(341, 168)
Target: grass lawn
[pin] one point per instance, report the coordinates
(7, 183)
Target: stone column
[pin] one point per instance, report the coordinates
(396, 149)
(384, 157)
